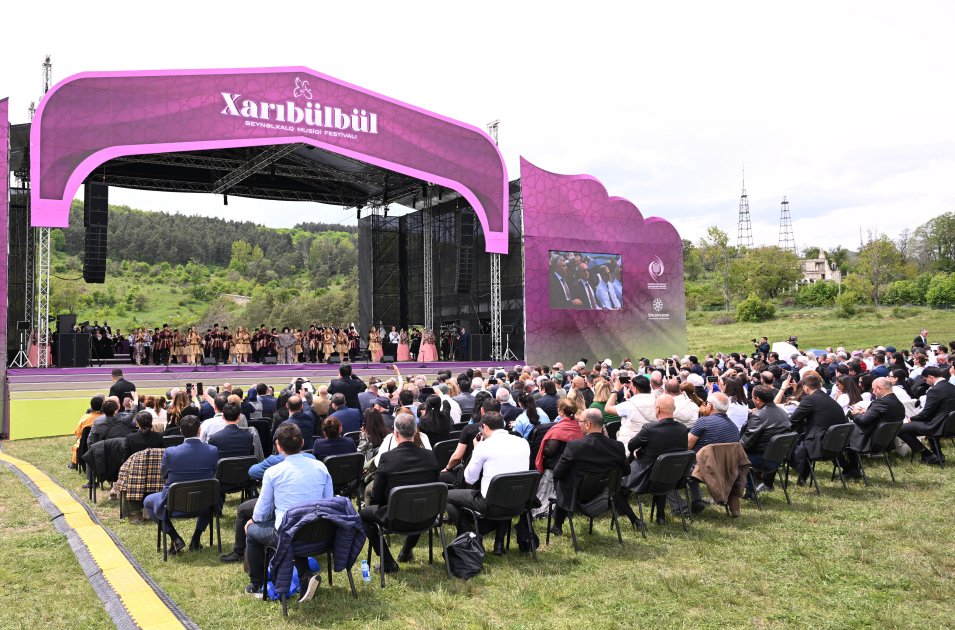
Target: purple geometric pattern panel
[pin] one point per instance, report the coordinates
(574, 213)
(93, 117)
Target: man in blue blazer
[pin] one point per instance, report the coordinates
(190, 461)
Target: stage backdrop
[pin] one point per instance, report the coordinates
(636, 309)
(4, 234)
(91, 118)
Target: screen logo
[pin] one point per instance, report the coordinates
(656, 270)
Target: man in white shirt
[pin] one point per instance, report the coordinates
(634, 412)
(216, 423)
(656, 383)
(686, 412)
(496, 452)
(442, 392)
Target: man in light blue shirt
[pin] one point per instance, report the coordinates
(294, 481)
(606, 296)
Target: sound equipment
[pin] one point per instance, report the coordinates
(335, 358)
(73, 350)
(95, 220)
(479, 347)
(465, 259)
(24, 325)
(209, 361)
(387, 358)
(269, 360)
(65, 323)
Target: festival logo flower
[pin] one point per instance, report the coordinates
(656, 268)
(657, 305)
(302, 89)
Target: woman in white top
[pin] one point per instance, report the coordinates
(738, 411)
(849, 392)
(156, 406)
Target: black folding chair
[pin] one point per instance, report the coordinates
(233, 475)
(454, 435)
(172, 440)
(354, 435)
(612, 429)
(777, 453)
(414, 510)
(346, 471)
(465, 418)
(318, 534)
(881, 443)
(670, 473)
(510, 496)
(191, 499)
(834, 442)
(443, 451)
(947, 430)
(590, 488)
(459, 426)
(264, 428)
(81, 450)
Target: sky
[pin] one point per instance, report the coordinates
(846, 108)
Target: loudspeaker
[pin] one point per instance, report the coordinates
(65, 323)
(73, 350)
(479, 347)
(209, 361)
(465, 261)
(335, 358)
(95, 220)
(269, 360)
(387, 358)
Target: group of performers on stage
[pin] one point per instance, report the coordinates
(318, 344)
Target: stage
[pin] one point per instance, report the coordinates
(50, 402)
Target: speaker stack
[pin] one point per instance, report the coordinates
(95, 220)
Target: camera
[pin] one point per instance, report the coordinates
(794, 341)
(754, 341)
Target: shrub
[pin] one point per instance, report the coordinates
(754, 309)
(902, 292)
(847, 305)
(821, 293)
(941, 291)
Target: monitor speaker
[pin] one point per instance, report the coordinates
(209, 361)
(387, 358)
(65, 323)
(73, 350)
(269, 360)
(335, 358)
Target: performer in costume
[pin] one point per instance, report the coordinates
(178, 346)
(328, 343)
(354, 343)
(299, 345)
(374, 345)
(429, 351)
(415, 343)
(194, 345)
(314, 338)
(147, 345)
(341, 344)
(243, 345)
(226, 344)
(404, 354)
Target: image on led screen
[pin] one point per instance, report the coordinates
(585, 281)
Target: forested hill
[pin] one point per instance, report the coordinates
(155, 237)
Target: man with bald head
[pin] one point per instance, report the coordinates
(654, 439)
(656, 383)
(885, 407)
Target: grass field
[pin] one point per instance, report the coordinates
(820, 328)
(881, 556)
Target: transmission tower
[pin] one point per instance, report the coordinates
(744, 226)
(786, 240)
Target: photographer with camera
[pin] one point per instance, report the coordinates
(761, 346)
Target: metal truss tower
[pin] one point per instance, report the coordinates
(42, 285)
(497, 331)
(427, 239)
(786, 240)
(744, 226)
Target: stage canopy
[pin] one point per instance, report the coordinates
(284, 133)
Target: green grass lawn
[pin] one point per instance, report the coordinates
(881, 556)
(820, 328)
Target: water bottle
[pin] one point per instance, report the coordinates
(365, 572)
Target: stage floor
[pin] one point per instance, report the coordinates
(50, 401)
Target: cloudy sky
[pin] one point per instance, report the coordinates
(846, 108)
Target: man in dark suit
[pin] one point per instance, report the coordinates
(231, 440)
(305, 421)
(560, 294)
(347, 385)
(404, 465)
(350, 418)
(268, 401)
(594, 453)
(190, 461)
(508, 410)
(763, 346)
(464, 345)
(581, 291)
(766, 422)
(817, 411)
(885, 407)
(921, 341)
(654, 439)
(939, 402)
(121, 388)
(145, 437)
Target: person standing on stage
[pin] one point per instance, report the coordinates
(393, 340)
(286, 343)
(178, 346)
(147, 345)
(314, 341)
(139, 341)
(243, 345)
(404, 353)
(429, 351)
(299, 345)
(464, 341)
(374, 345)
(193, 347)
(341, 344)
(328, 343)
(354, 342)
(225, 345)
(415, 347)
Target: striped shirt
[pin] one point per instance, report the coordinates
(714, 429)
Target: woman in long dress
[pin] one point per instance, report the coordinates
(328, 343)
(139, 345)
(404, 352)
(341, 345)
(193, 347)
(374, 345)
(243, 345)
(429, 350)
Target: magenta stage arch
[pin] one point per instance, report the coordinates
(93, 117)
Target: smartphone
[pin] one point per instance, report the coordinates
(711, 379)
(199, 389)
(623, 379)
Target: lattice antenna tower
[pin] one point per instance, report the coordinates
(786, 240)
(744, 225)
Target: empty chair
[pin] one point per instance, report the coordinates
(233, 475)
(834, 442)
(510, 496)
(354, 435)
(778, 451)
(596, 494)
(414, 510)
(612, 428)
(172, 440)
(947, 430)
(670, 473)
(346, 471)
(882, 441)
(443, 451)
(191, 499)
